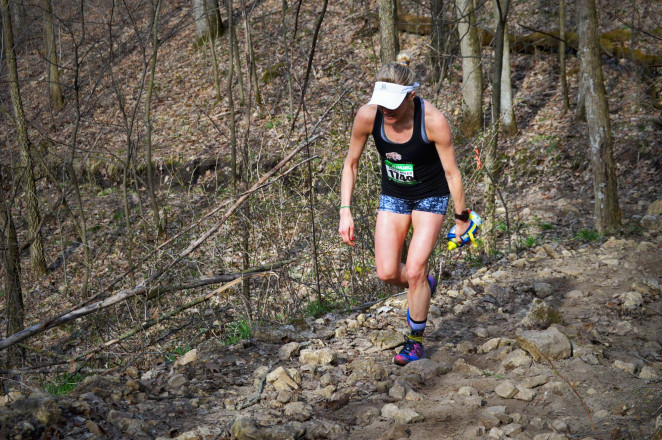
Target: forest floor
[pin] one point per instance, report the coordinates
(337, 379)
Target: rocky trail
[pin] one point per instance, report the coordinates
(540, 345)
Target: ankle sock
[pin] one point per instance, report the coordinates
(417, 328)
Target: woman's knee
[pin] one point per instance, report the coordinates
(387, 274)
(416, 274)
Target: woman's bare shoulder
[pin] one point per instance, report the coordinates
(365, 117)
(436, 124)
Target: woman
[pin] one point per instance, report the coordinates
(419, 172)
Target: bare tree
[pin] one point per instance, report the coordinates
(37, 260)
(607, 210)
(507, 114)
(52, 72)
(491, 165)
(388, 30)
(250, 54)
(437, 39)
(148, 119)
(15, 311)
(562, 74)
(208, 22)
(472, 74)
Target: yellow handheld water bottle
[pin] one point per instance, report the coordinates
(469, 236)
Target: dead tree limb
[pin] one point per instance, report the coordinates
(142, 287)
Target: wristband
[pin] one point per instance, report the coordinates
(463, 216)
(346, 206)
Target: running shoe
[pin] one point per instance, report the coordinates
(412, 351)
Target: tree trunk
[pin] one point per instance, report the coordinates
(472, 75)
(208, 22)
(250, 55)
(148, 123)
(388, 30)
(37, 261)
(492, 167)
(564, 79)
(607, 210)
(20, 15)
(437, 39)
(508, 122)
(13, 292)
(233, 127)
(52, 73)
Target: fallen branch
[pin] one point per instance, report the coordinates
(256, 398)
(142, 288)
(152, 322)
(574, 390)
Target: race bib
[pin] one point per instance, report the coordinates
(400, 172)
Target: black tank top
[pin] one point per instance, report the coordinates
(411, 170)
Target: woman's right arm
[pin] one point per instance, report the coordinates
(363, 122)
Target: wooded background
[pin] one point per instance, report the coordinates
(170, 170)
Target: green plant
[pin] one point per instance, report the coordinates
(235, 331)
(63, 384)
(179, 351)
(530, 241)
(545, 226)
(588, 235)
(318, 308)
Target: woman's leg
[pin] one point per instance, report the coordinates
(426, 232)
(390, 233)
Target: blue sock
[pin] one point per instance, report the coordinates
(417, 328)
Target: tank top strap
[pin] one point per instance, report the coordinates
(418, 120)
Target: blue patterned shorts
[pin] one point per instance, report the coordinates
(435, 205)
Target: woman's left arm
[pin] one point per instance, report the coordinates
(439, 132)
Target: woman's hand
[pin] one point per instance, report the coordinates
(461, 227)
(346, 227)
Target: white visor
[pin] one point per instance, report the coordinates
(390, 95)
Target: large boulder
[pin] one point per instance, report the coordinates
(546, 344)
(541, 315)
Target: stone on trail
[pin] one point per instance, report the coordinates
(398, 391)
(525, 394)
(387, 339)
(541, 315)
(324, 356)
(281, 380)
(401, 416)
(535, 381)
(288, 350)
(426, 368)
(490, 345)
(366, 415)
(299, 411)
(323, 429)
(466, 370)
(467, 391)
(652, 223)
(631, 300)
(516, 358)
(655, 208)
(245, 428)
(189, 357)
(648, 373)
(542, 290)
(367, 369)
(506, 390)
(628, 367)
(396, 432)
(177, 381)
(550, 343)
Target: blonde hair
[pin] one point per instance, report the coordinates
(398, 72)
